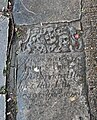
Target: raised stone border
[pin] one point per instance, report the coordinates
(41, 62)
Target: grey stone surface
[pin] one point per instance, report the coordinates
(33, 11)
(55, 75)
(51, 73)
(3, 48)
(3, 3)
(89, 21)
(2, 107)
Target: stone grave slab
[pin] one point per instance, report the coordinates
(51, 73)
(2, 107)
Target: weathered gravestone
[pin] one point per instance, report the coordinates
(50, 62)
(3, 3)
(51, 73)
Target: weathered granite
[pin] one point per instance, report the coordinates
(3, 3)
(2, 107)
(55, 74)
(89, 21)
(51, 81)
(4, 26)
(33, 11)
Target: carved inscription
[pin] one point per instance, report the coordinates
(51, 74)
(56, 39)
(49, 83)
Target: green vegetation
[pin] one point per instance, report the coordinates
(3, 90)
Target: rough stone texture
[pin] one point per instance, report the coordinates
(3, 51)
(2, 107)
(89, 21)
(3, 48)
(11, 85)
(33, 11)
(51, 73)
(55, 64)
(3, 3)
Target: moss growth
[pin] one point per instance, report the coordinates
(3, 90)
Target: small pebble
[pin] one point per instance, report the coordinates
(8, 113)
(9, 3)
(16, 29)
(9, 100)
(36, 69)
